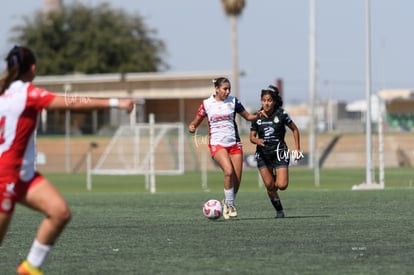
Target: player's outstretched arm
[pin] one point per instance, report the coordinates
(250, 117)
(90, 103)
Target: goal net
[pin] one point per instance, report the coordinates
(143, 149)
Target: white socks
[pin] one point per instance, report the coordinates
(229, 196)
(38, 253)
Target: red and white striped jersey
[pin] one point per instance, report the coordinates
(20, 106)
(221, 119)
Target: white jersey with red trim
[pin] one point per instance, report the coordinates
(20, 106)
(221, 119)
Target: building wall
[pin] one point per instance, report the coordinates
(171, 97)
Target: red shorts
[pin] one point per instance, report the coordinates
(11, 192)
(235, 149)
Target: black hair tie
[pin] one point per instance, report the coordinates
(15, 55)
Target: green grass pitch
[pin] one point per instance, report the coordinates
(120, 228)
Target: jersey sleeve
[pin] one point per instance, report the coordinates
(254, 126)
(201, 112)
(286, 118)
(238, 106)
(39, 98)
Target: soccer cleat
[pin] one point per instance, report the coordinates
(280, 214)
(226, 210)
(232, 211)
(25, 268)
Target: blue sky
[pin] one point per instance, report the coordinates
(274, 41)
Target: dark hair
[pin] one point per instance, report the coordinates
(220, 81)
(273, 91)
(19, 61)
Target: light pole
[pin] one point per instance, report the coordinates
(369, 167)
(368, 133)
(313, 163)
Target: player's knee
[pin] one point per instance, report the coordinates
(282, 185)
(62, 215)
(228, 172)
(269, 186)
(66, 216)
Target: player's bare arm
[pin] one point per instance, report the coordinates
(194, 124)
(255, 140)
(250, 117)
(87, 103)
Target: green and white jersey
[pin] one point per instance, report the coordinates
(272, 130)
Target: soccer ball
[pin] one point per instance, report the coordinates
(213, 209)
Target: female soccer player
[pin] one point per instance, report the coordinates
(224, 143)
(272, 153)
(20, 105)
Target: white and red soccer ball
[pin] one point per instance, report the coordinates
(212, 209)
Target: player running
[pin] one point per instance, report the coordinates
(272, 153)
(224, 143)
(20, 105)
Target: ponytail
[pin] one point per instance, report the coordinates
(9, 75)
(19, 60)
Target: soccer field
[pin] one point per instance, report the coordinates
(120, 228)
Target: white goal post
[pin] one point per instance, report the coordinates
(142, 149)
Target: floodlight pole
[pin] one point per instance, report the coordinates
(368, 135)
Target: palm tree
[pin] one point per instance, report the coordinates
(233, 9)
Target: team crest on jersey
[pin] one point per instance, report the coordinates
(276, 119)
(6, 204)
(10, 188)
(229, 105)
